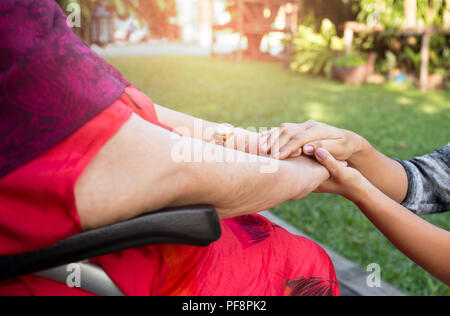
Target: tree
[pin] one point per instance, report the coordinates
(156, 13)
(447, 16)
(338, 11)
(396, 14)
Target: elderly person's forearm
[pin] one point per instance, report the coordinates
(242, 140)
(240, 188)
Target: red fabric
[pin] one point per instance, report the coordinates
(253, 257)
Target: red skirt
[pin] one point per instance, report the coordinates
(253, 256)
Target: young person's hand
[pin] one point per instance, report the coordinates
(344, 180)
(291, 140)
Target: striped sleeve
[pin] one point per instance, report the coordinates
(428, 182)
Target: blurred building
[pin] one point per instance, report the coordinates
(197, 17)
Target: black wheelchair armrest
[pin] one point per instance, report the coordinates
(195, 225)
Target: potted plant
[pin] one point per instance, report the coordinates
(354, 68)
(314, 51)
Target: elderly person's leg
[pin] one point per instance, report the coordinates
(254, 257)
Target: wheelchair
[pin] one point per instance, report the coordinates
(193, 225)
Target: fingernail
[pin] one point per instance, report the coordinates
(321, 153)
(308, 149)
(276, 156)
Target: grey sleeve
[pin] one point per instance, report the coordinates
(428, 182)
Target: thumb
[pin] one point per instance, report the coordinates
(328, 161)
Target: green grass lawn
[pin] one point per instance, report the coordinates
(400, 123)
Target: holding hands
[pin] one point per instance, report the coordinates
(374, 182)
(292, 140)
(333, 147)
(344, 180)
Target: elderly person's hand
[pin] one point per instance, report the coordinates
(291, 140)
